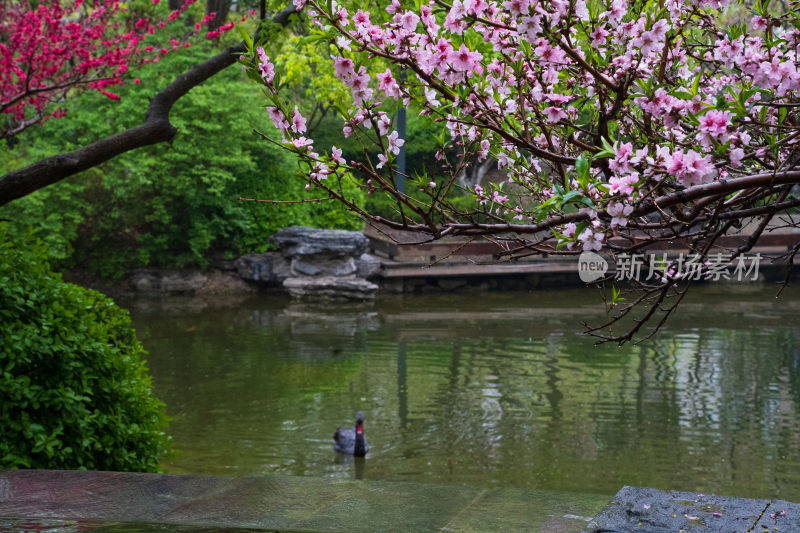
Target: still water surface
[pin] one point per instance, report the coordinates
(488, 390)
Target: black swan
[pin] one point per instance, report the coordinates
(351, 441)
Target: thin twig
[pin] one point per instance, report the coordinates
(307, 201)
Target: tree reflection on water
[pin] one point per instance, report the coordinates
(487, 389)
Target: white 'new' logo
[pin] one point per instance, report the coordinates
(591, 267)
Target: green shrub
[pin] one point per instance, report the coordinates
(74, 392)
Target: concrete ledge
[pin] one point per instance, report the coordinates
(32, 499)
(284, 503)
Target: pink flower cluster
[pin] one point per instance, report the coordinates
(715, 125)
(689, 167)
(357, 81)
(265, 67)
(770, 68)
(49, 48)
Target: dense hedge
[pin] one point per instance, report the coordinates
(74, 392)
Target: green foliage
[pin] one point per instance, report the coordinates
(383, 204)
(421, 142)
(309, 71)
(74, 392)
(169, 205)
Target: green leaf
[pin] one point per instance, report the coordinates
(582, 168)
(683, 95)
(616, 296)
(247, 39)
(607, 151)
(571, 195)
(696, 84)
(313, 38)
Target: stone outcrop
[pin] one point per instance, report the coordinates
(330, 287)
(310, 264)
(305, 241)
(173, 282)
(324, 263)
(188, 283)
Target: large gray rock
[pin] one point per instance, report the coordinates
(639, 509)
(302, 240)
(305, 265)
(323, 264)
(330, 288)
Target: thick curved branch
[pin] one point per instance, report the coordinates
(724, 186)
(675, 198)
(155, 129)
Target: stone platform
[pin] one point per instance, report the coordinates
(112, 501)
(639, 509)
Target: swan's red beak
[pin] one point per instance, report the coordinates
(359, 428)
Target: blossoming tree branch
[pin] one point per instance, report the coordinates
(618, 125)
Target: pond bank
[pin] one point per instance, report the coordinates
(319, 264)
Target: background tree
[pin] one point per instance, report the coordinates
(165, 206)
(154, 129)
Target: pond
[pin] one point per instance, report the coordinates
(486, 389)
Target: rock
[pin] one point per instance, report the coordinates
(330, 288)
(171, 282)
(269, 267)
(323, 266)
(646, 509)
(224, 283)
(302, 240)
(368, 266)
(311, 263)
(304, 268)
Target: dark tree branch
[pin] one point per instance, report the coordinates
(657, 205)
(155, 129)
